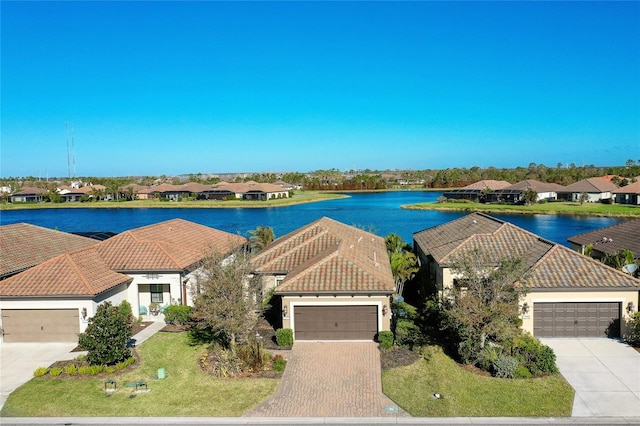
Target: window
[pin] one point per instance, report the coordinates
(278, 282)
(156, 293)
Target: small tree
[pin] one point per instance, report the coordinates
(107, 336)
(261, 237)
(226, 297)
(404, 264)
(483, 304)
(584, 197)
(530, 196)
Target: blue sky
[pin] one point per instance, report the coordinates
(152, 88)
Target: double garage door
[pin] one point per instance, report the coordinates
(40, 325)
(335, 322)
(598, 319)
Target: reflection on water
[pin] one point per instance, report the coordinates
(378, 212)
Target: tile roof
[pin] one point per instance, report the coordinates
(327, 256)
(23, 246)
(612, 239)
(79, 273)
(488, 183)
(592, 185)
(167, 246)
(31, 191)
(551, 266)
(632, 188)
(535, 185)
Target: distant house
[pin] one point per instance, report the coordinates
(334, 281)
(597, 190)
(220, 191)
(29, 195)
(515, 193)
(476, 191)
(629, 194)
(610, 240)
(78, 193)
(569, 294)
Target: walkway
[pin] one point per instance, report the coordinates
(605, 373)
(329, 379)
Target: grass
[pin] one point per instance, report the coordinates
(187, 391)
(299, 197)
(565, 208)
(466, 394)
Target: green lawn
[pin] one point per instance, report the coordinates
(466, 394)
(299, 197)
(186, 391)
(587, 209)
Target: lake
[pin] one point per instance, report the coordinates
(378, 212)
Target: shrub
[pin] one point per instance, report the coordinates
(178, 314)
(385, 338)
(121, 365)
(632, 335)
(71, 369)
(407, 333)
(505, 367)
(40, 371)
(441, 199)
(55, 371)
(96, 369)
(284, 337)
(253, 356)
(279, 363)
(126, 312)
(534, 356)
(488, 356)
(107, 336)
(84, 370)
(522, 373)
(110, 369)
(220, 362)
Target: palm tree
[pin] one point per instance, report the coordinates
(261, 237)
(404, 266)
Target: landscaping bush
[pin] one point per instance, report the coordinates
(441, 199)
(533, 355)
(126, 312)
(279, 363)
(407, 333)
(55, 371)
(178, 314)
(632, 336)
(488, 356)
(220, 362)
(522, 373)
(71, 369)
(253, 356)
(107, 336)
(385, 338)
(284, 337)
(40, 371)
(505, 367)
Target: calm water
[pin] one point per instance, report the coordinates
(377, 212)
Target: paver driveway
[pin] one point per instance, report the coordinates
(329, 379)
(605, 373)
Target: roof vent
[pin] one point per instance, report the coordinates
(475, 221)
(359, 239)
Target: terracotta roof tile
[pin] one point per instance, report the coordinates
(612, 239)
(79, 273)
(327, 256)
(172, 245)
(593, 185)
(23, 246)
(632, 188)
(551, 266)
(488, 183)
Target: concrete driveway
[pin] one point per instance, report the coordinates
(19, 360)
(605, 373)
(329, 379)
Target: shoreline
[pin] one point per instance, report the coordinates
(200, 204)
(516, 211)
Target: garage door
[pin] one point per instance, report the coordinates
(40, 325)
(601, 319)
(335, 322)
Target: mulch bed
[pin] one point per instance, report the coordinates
(397, 357)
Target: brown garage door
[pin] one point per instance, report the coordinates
(40, 325)
(601, 319)
(335, 322)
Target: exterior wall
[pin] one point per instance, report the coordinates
(27, 303)
(139, 293)
(547, 196)
(591, 296)
(291, 302)
(627, 198)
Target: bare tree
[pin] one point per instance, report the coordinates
(226, 297)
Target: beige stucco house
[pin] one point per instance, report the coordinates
(54, 299)
(335, 281)
(568, 294)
